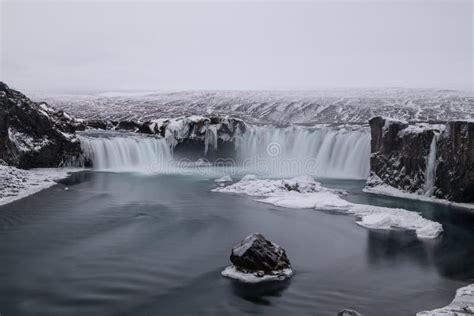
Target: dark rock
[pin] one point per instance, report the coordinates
(399, 155)
(455, 168)
(348, 312)
(34, 134)
(257, 254)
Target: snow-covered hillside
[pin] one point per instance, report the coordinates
(280, 107)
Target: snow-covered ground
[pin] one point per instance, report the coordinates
(388, 190)
(462, 304)
(304, 192)
(281, 107)
(18, 183)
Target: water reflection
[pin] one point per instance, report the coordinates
(395, 246)
(260, 292)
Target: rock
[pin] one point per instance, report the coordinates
(400, 157)
(34, 134)
(258, 259)
(455, 168)
(255, 253)
(348, 312)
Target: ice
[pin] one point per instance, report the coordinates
(18, 183)
(233, 273)
(462, 304)
(304, 192)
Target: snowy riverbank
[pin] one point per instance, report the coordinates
(18, 183)
(388, 190)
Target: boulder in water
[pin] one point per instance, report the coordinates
(348, 312)
(257, 259)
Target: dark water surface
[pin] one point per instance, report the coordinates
(128, 244)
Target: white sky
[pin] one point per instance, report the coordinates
(78, 46)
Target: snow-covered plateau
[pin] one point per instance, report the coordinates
(304, 192)
(278, 107)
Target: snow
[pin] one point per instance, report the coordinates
(280, 107)
(248, 177)
(226, 178)
(388, 190)
(304, 192)
(18, 183)
(25, 142)
(233, 273)
(462, 304)
(421, 128)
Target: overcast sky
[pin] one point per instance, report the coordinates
(78, 46)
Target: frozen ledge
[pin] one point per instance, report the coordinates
(462, 304)
(388, 190)
(279, 275)
(18, 183)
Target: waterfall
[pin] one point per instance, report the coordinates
(325, 152)
(430, 173)
(268, 151)
(118, 152)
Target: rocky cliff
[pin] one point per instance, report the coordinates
(427, 159)
(34, 134)
(189, 136)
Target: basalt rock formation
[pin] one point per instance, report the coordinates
(34, 134)
(428, 159)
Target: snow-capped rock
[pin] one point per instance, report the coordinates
(33, 134)
(257, 259)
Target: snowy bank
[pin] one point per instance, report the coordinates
(17, 183)
(462, 304)
(388, 190)
(304, 192)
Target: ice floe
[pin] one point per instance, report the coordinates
(304, 192)
(462, 304)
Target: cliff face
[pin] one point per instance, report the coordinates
(429, 159)
(189, 136)
(455, 169)
(33, 134)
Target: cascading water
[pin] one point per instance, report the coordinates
(430, 173)
(325, 152)
(269, 151)
(118, 152)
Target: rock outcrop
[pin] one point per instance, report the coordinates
(33, 134)
(428, 159)
(256, 258)
(348, 312)
(190, 136)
